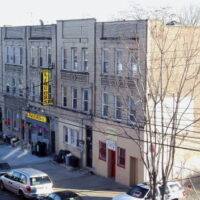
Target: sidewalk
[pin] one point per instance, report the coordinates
(87, 185)
(16, 157)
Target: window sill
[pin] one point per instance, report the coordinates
(103, 159)
(121, 166)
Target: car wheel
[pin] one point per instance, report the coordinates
(1, 186)
(21, 195)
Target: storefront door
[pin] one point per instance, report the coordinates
(89, 146)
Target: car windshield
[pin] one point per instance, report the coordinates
(175, 187)
(40, 180)
(138, 192)
(4, 166)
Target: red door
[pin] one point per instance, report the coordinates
(112, 163)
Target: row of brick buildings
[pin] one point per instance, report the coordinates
(87, 68)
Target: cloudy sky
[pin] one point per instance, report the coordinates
(28, 12)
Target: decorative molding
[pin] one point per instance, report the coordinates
(75, 76)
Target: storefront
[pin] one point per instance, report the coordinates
(37, 131)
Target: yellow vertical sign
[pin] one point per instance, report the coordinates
(45, 87)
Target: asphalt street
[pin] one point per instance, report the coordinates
(87, 185)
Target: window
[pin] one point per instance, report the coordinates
(85, 59)
(118, 108)
(13, 55)
(102, 151)
(71, 136)
(74, 59)
(6, 54)
(13, 86)
(64, 58)
(131, 109)
(121, 154)
(7, 87)
(132, 64)
(105, 62)
(74, 98)
(85, 100)
(118, 62)
(105, 105)
(49, 56)
(64, 96)
(33, 56)
(20, 55)
(40, 57)
(33, 91)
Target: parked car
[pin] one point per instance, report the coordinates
(4, 168)
(173, 191)
(26, 182)
(62, 195)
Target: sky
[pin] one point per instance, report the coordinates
(29, 12)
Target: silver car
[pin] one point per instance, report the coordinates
(26, 182)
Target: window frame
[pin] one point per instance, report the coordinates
(64, 59)
(74, 99)
(84, 59)
(85, 100)
(20, 55)
(105, 104)
(71, 136)
(74, 58)
(64, 95)
(7, 56)
(13, 55)
(118, 108)
(104, 61)
(49, 56)
(132, 65)
(118, 62)
(102, 151)
(130, 114)
(33, 56)
(41, 57)
(121, 157)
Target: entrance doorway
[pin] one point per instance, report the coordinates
(133, 171)
(53, 146)
(89, 146)
(111, 163)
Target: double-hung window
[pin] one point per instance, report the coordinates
(131, 110)
(84, 59)
(64, 96)
(49, 56)
(74, 98)
(105, 62)
(13, 55)
(118, 62)
(118, 108)
(132, 62)
(13, 86)
(40, 56)
(20, 55)
(121, 157)
(71, 136)
(74, 59)
(33, 91)
(33, 56)
(85, 100)
(105, 104)
(64, 58)
(7, 55)
(102, 150)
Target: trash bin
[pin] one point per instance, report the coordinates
(73, 161)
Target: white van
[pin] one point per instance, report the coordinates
(26, 182)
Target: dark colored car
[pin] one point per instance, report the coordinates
(62, 195)
(4, 168)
